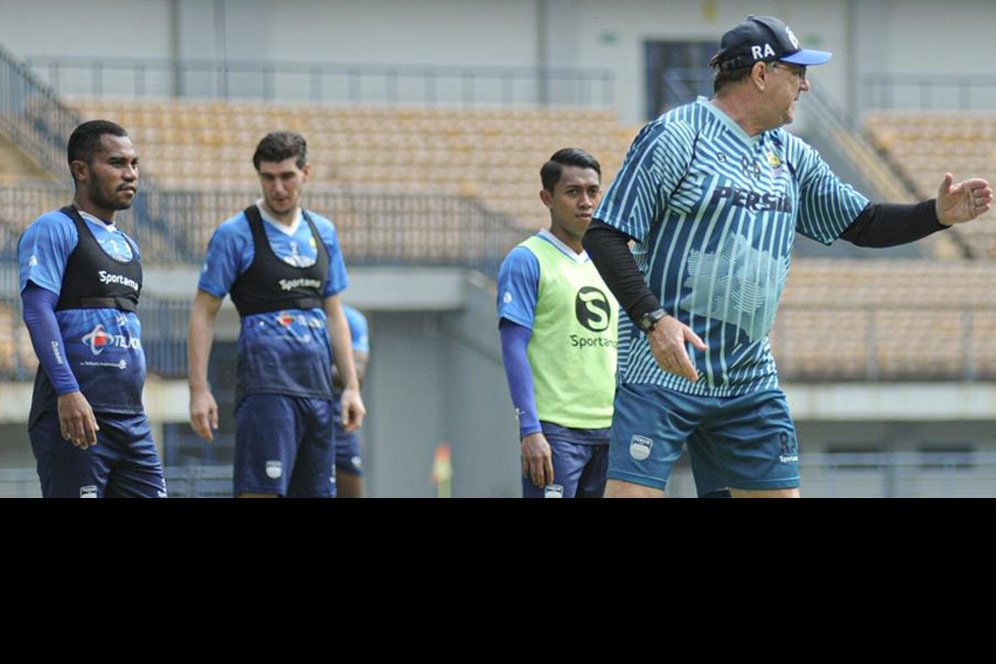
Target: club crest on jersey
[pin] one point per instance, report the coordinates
(774, 160)
(116, 249)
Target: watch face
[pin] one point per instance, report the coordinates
(649, 320)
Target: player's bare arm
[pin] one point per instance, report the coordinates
(353, 409)
(203, 407)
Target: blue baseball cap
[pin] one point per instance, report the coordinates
(763, 39)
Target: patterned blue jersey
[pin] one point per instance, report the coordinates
(714, 213)
(103, 347)
(268, 340)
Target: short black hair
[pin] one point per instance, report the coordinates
(279, 145)
(85, 139)
(551, 171)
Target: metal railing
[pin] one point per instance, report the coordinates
(887, 474)
(375, 227)
(872, 352)
(900, 474)
(928, 92)
(875, 348)
(32, 115)
(325, 82)
(840, 134)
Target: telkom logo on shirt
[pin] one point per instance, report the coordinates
(592, 309)
(98, 339)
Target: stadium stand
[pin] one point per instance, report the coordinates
(920, 144)
(887, 319)
(17, 358)
(839, 320)
(490, 154)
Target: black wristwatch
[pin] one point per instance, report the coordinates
(649, 320)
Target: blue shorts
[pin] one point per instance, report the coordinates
(347, 452)
(580, 459)
(123, 464)
(284, 445)
(347, 444)
(746, 442)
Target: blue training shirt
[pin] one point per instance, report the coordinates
(267, 340)
(714, 213)
(103, 346)
(357, 329)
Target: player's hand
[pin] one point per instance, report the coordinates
(667, 343)
(353, 409)
(203, 414)
(537, 459)
(963, 201)
(77, 422)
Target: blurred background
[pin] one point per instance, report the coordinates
(427, 122)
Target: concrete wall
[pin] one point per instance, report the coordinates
(436, 377)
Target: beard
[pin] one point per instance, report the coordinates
(107, 201)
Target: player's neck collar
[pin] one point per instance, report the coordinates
(288, 229)
(729, 122)
(109, 225)
(559, 244)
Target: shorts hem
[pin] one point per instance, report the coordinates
(766, 485)
(642, 480)
(254, 489)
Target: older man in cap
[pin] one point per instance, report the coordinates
(713, 193)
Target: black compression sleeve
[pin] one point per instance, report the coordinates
(890, 224)
(609, 251)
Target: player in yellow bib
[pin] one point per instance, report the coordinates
(558, 324)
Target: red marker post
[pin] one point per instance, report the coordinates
(442, 471)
